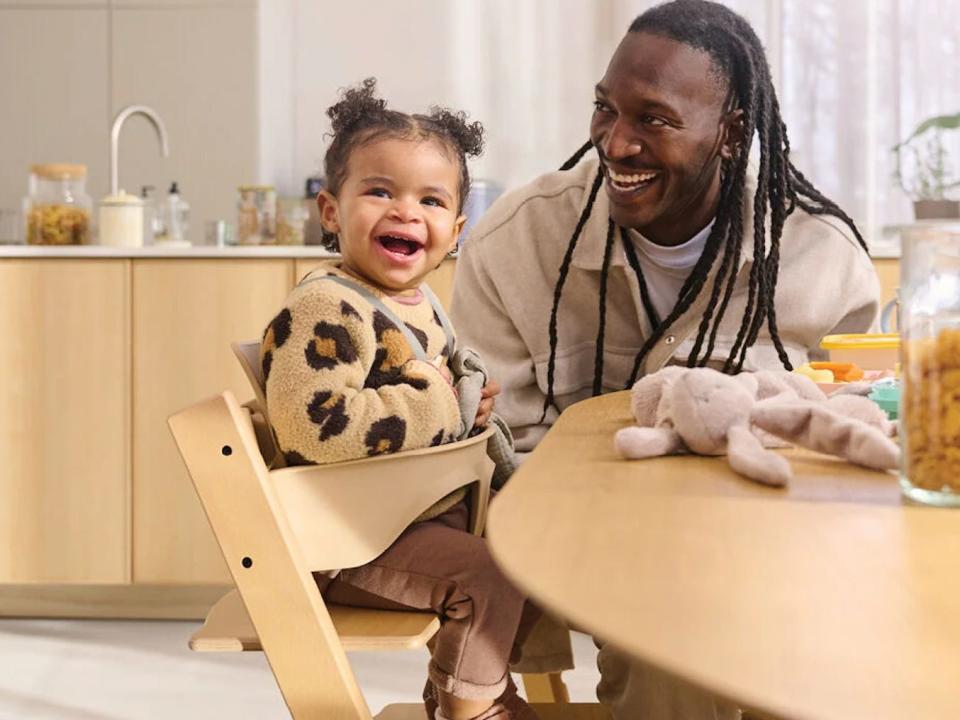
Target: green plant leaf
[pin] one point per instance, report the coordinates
(941, 122)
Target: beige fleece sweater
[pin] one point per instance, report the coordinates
(342, 382)
(508, 268)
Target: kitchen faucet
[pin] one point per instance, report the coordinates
(118, 122)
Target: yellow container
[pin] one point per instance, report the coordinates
(879, 351)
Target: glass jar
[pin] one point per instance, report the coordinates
(292, 216)
(930, 361)
(57, 211)
(256, 215)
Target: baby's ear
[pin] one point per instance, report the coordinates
(329, 212)
(457, 229)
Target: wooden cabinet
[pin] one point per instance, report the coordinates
(185, 315)
(64, 425)
(96, 354)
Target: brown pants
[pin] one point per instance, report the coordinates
(437, 565)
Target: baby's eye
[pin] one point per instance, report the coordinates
(379, 192)
(434, 201)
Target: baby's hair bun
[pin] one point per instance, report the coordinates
(467, 136)
(356, 104)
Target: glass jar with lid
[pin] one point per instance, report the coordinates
(58, 210)
(256, 215)
(292, 216)
(930, 360)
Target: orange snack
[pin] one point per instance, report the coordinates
(842, 371)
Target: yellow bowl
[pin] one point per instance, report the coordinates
(877, 351)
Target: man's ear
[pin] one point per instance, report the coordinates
(329, 212)
(733, 135)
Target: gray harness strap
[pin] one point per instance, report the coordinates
(392, 316)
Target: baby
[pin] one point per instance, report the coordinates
(355, 365)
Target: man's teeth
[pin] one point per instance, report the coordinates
(626, 182)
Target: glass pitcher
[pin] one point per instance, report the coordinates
(930, 363)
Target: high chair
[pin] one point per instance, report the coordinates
(276, 527)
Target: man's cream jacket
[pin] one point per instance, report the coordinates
(508, 269)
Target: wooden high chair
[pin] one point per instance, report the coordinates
(277, 526)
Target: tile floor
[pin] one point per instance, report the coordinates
(127, 670)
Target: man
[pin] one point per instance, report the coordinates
(688, 255)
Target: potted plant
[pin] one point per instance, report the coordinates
(923, 171)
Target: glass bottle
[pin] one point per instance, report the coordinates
(930, 363)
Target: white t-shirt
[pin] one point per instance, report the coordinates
(665, 269)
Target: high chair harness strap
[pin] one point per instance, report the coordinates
(377, 303)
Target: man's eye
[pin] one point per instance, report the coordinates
(379, 192)
(434, 201)
(600, 106)
(653, 121)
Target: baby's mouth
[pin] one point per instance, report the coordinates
(399, 245)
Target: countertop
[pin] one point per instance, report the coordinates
(198, 251)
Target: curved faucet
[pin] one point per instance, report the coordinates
(118, 122)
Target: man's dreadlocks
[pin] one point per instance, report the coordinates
(739, 57)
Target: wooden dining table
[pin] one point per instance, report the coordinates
(832, 598)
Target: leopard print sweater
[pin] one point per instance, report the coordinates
(342, 382)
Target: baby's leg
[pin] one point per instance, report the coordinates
(436, 565)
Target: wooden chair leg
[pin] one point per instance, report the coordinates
(546, 688)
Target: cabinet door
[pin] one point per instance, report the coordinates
(64, 421)
(185, 315)
(440, 280)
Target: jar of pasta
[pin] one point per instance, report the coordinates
(57, 211)
(930, 362)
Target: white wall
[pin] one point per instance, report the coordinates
(525, 68)
(67, 67)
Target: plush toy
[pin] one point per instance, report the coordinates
(706, 412)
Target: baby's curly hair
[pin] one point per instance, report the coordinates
(361, 117)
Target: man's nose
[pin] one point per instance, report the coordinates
(620, 142)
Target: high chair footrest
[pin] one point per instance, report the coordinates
(228, 628)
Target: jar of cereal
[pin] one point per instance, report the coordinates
(930, 361)
(57, 211)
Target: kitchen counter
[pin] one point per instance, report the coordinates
(194, 251)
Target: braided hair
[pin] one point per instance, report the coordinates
(739, 58)
(360, 117)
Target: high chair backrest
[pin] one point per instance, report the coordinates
(276, 527)
(248, 354)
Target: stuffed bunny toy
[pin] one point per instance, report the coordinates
(706, 412)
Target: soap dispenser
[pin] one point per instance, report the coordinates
(177, 217)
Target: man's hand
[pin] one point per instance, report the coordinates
(487, 394)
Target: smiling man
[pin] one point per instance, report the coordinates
(664, 246)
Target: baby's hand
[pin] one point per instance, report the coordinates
(487, 394)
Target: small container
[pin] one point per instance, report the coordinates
(930, 401)
(121, 220)
(57, 210)
(886, 394)
(9, 227)
(218, 233)
(292, 216)
(878, 351)
(153, 226)
(256, 215)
